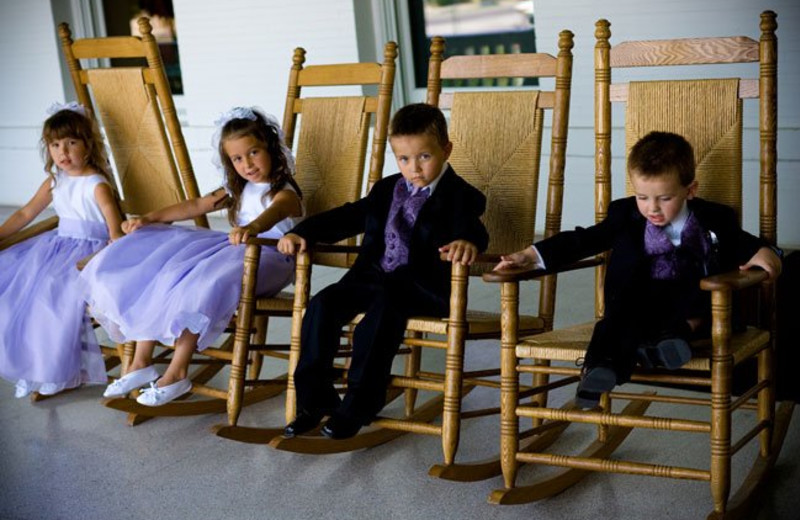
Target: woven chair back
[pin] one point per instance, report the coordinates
(708, 113)
(502, 162)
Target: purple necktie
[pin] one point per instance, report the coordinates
(406, 205)
(669, 262)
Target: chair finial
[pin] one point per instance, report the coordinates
(64, 32)
(299, 58)
(144, 26)
(566, 40)
(768, 22)
(602, 32)
(389, 52)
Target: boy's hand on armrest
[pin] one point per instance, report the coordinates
(766, 259)
(291, 244)
(461, 251)
(527, 258)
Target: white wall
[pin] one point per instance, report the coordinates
(239, 53)
(31, 82)
(653, 20)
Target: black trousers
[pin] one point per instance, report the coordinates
(388, 300)
(654, 309)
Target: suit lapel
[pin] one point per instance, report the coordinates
(423, 227)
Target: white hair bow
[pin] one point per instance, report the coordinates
(72, 105)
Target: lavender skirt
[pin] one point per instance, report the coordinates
(161, 280)
(46, 334)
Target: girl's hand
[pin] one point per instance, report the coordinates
(132, 224)
(461, 251)
(239, 235)
(290, 244)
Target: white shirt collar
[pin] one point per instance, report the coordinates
(675, 228)
(435, 182)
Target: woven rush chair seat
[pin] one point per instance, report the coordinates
(569, 344)
(478, 323)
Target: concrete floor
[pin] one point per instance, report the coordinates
(68, 457)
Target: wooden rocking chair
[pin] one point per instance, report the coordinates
(331, 151)
(497, 136)
(709, 114)
(135, 106)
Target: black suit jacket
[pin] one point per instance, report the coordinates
(451, 213)
(622, 232)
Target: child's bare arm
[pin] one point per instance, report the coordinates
(108, 207)
(460, 251)
(23, 216)
(527, 258)
(183, 210)
(766, 259)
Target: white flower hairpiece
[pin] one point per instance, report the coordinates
(235, 113)
(72, 105)
(250, 114)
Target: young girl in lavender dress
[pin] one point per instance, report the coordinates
(180, 285)
(47, 343)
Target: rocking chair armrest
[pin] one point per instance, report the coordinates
(733, 280)
(482, 258)
(335, 248)
(29, 232)
(255, 241)
(518, 275)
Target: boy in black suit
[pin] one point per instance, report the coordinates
(407, 219)
(663, 240)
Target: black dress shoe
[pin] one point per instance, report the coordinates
(594, 382)
(340, 427)
(669, 350)
(304, 422)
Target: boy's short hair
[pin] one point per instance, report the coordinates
(662, 153)
(420, 118)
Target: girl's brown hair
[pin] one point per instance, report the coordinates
(69, 123)
(269, 135)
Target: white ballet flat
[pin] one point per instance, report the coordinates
(155, 396)
(51, 388)
(131, 381)
(21, 389)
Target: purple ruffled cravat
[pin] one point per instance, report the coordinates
(669, 262)
(406, 205)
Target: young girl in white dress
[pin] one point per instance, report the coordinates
(180, 285)
(47, 343)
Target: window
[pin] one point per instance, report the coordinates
(121, 19)
(470, 27)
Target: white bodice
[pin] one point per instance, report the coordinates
(73, 197)
(254, 203)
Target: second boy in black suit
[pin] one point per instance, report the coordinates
(407, 220)
(663, 240)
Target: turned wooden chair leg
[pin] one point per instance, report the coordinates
(413, 362)
(721, 375)
(259, 337)
(509, 384)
